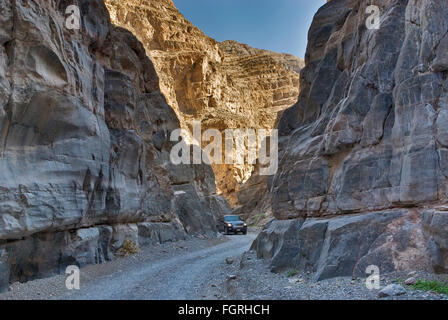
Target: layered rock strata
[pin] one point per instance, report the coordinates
(225, 85)
(84, 152)
(363, 172)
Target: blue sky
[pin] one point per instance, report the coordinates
(277, 25)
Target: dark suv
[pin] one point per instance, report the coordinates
(232, 224)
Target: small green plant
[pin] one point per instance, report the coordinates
(256, 219)
(431, 286)
(129, 248)
(291, 273)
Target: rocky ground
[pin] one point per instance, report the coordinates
(251, 279)
(219, 268)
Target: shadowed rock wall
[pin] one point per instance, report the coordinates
(84, 144)
(363, 166)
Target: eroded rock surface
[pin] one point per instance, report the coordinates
(225, 85)
(84, 144)
(363, 152)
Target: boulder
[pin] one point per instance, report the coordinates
(345, 246)
(105, 244)
(47, 254)
(83, 247)
(392, 290)
(435, 223)
(278, 242)
(410, 281)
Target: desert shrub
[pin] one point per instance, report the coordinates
(291, 273)
(129, 247)
(431, 286)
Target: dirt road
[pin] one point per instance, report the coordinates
(197, 269)
(176, 277)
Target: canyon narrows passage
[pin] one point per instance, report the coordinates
(85, 122)
(86, 117)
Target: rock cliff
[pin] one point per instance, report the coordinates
(362, 177)
(84, 152)
(224, 85)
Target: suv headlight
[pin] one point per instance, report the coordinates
(244, 225)
(229, 224)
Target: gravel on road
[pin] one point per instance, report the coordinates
(168, 271)
(221, 268)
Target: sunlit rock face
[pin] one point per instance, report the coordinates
(84, 152)
(363, 162)
(224, 85)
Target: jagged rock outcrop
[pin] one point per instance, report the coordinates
(254, 199)
(84, 153)
(224, 85)
(289, 62)
(362, 175)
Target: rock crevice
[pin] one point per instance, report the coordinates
(225, 85)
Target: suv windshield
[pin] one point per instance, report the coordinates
(232, 218)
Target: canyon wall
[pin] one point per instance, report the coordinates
(363, 167)
(84, 153)
(225, 85)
